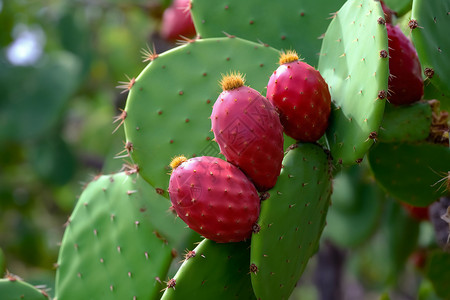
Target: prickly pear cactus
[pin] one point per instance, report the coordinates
(170, 102)
(354, 63)
(429, 25)
(409, 123)
(12, 288)
(212, 271)
(413, 173)
(111, 248)
(301, 26)
(291, 222)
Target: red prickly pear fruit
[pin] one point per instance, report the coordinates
(214, 198)
(302, 98)
(389, 14)
(416, 212)
(177, 21)
(248, 130)
(405, 79)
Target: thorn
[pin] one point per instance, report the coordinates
(126, 85)
(185, 40)
(121, 118)
(149, 54)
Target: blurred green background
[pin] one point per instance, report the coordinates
(60, 63)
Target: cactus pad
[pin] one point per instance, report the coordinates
(12, 288)
(169, 105)
(291, 222)
(213, 271)
(111, 249)
(354, 63)
(409, 123)
(430, 38)
(282, 24)
(413, 173)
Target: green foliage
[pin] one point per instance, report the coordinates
(351, 64)
(213, 271)
(15, 289)
(431, 42)
(357, 204)
(411, 173)
(111, 247)
(404, 124)
(300, 28)
(437, 272)
(291, 222)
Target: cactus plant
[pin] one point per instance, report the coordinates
(354, 63)
(13, 288)
(121, 241)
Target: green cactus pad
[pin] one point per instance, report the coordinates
(111, 249)
(217, 271)
(282, 24)
(431, 40)
(409, 123)
(356, 208)
(169, 105)
(352, 64)
(14, 289)
(413, 173)
(291, 222)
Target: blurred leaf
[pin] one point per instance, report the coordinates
(33, 98)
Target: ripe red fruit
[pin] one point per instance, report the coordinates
(177, 21)
(214, 198)
(301, 96)
(416, 212)
(248, 130)
(405, 79)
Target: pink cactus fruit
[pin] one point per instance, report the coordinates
(248, 130)
(214, 198)
(177, 21)
(405, 79)
(302, 98)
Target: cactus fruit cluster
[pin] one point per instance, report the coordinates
(249, 168)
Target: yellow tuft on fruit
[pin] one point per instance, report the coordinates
(232, 81)
(177, 161)
(288, 56)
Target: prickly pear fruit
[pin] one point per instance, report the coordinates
(419, 213)
(301, 96)
(249, 132)
(177, 21)
(214, 198)
(405, 79)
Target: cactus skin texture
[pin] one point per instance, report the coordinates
(430, 38)
(405, 78)
(406, 123)
(12, 288)
(249, 133)
(214, 198)
(213, 271)
(251, 19)
(111, 249)
(301, 96)
(176, 92)
(291, 222)
(354, 64)
(412, 173)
